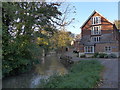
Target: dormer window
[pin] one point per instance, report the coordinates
(96, 20)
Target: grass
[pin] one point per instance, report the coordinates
(84, 74)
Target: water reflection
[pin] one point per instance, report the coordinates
(48, 67)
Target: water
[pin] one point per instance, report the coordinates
(48, 67)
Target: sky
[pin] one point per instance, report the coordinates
(84, 9)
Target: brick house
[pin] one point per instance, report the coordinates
(98, 35)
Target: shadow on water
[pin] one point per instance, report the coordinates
(49, 66)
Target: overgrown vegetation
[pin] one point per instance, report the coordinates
(84, 74)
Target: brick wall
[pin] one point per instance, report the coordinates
(106, 26)
(101, 47)
(81, 48)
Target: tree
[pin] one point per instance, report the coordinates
(117, 23)
(68, 15)
(21, 26)
(61, 39)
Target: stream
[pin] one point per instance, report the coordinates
(49, 66)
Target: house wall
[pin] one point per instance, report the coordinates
(106, 26)
(76, 45)
(116, 36)
(116, 33)
(81, 48)
(101, 48)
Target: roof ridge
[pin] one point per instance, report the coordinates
(91, 15)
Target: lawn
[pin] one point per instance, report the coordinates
(84, 74)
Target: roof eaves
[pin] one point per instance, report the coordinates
(91, 15)
(105, 18)
(88, 19)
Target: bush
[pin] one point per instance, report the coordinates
(20, 59)
(112, 55)
(83, 56)
(106, 56)
(102, 55)
(95, 55)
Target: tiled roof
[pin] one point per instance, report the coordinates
(105, 38)
(86, 40)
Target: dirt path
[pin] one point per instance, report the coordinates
(110, 74)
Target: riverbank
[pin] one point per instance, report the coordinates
(48, 66)
(84, 74)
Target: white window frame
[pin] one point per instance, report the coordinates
(89, 49)
(95, 30)
(96, 39)
(108, 48)
(96, 20)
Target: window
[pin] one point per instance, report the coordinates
(96, 39)
(89, 49)
(107, 49)
(95, 30)
(96, 20)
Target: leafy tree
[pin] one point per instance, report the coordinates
(22, 24)
(61, 39)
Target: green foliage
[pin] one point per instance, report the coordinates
(83, 56)
(61, 39)
(84, 74)
(100, 55)
(111, 56)
(95, 55)
(19, 20)
(103, 55)
(44, 43)
(19, 56)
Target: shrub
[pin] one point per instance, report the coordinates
(106, 56)
(112, 55)
(95, 55)
(83, 56)
(102, 55)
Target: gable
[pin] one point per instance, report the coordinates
(88, 22)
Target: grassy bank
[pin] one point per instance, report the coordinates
(84, 74)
